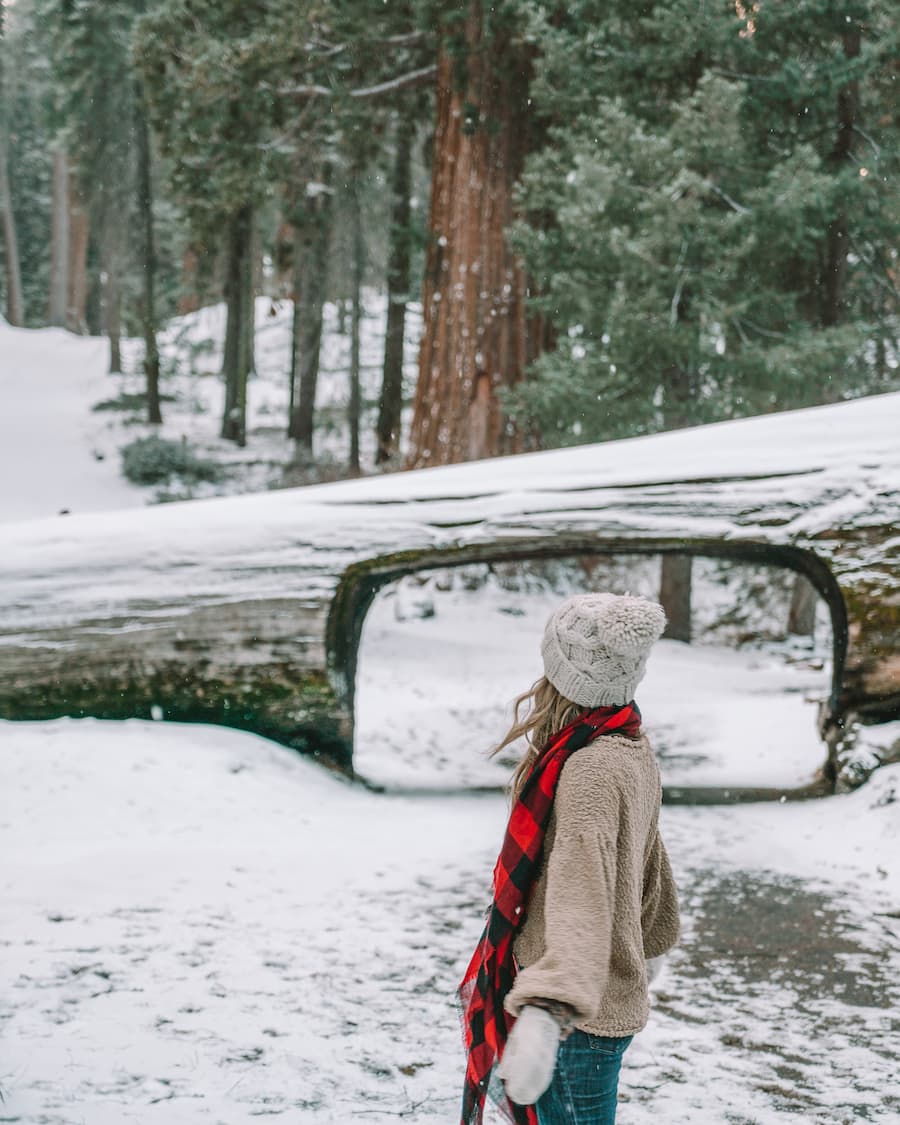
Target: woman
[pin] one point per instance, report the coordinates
(583, 890)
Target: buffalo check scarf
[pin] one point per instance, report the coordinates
(492, 969)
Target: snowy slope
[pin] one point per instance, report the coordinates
(54, 453)
(63, 453)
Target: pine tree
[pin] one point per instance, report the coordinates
(701, 230)
(204, 70)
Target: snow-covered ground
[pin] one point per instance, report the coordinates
(199, 926)
(68, 418)
(477, 649)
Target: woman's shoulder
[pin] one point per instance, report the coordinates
(610, 766)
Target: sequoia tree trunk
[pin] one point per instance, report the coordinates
(390, 405)
(477, 337)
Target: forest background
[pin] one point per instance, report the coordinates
(617, 217)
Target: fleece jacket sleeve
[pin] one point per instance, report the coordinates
(659, 905)
(581, 892)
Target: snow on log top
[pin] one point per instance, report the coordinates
(783, 478)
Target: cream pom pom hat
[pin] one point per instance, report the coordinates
(595, 647)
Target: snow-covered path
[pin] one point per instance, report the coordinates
(458, 668)
(54, 453)
(198, 926)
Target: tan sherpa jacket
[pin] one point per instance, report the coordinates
(604, 899)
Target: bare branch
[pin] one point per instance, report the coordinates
(732, 203)
(401, 82)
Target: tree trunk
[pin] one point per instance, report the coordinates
(675, 595)
(353, 412)
(79, 233)
(147, 257)
(239, 323)
(311, 241)
(390, 404)
(112, 318)
(802, 614)
(837, 239)
(15, 301)
(114, 237)
(477, 337)
(59, 240)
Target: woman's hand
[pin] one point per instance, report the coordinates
(530, 1056)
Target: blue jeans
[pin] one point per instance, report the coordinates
(585, 1082)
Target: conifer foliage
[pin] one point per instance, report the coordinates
(709, 225)
(641, 214)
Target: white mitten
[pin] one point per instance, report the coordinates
(530, 1056)
(655, 966)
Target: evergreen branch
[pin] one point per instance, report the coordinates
(880, 272)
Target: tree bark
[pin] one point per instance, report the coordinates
(837, 239)
(59, 240)
(675, 595)
(390, 405)
(79, 233)
(15, 301)
(802, 614)
(354, 407)
(113, 254)
(147, 257)
(477, 337)
(311, 241)
(239, 323)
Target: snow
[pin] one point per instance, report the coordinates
(199, 926)
(478, 649)
(68, 451)
(711, 485)
(53, 453)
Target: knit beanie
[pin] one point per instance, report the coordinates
(595, 647)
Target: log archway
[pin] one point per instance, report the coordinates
(361, 583)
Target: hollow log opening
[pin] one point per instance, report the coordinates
(362, 582)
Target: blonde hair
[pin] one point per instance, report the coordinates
(544, 711)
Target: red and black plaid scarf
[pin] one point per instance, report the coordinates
(491, 971)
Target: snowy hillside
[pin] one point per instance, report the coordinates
(61, 442)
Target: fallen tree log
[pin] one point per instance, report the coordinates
(247, 611)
